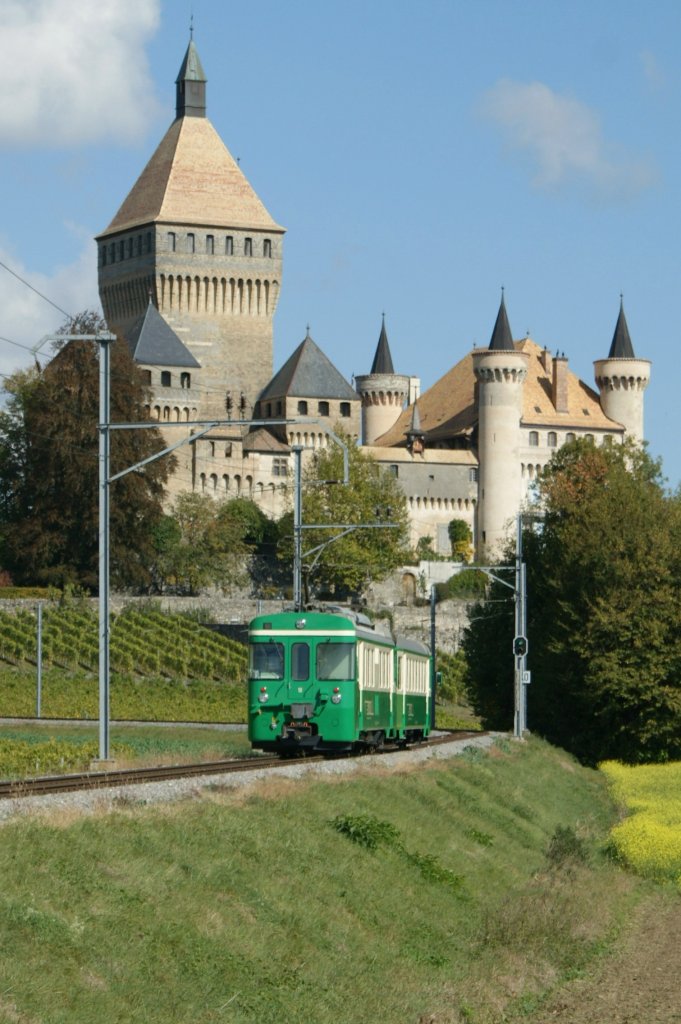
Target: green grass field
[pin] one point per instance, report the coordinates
(458, 892)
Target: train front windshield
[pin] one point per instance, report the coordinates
(266, 661)
(335, 661)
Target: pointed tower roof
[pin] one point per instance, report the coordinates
(153, 342)
(308, 373)
(191, 85)
(502, 339)
(383, 360)
(415, 425)
(621, 347)
(192, 177)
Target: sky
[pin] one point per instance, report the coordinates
(420, 153)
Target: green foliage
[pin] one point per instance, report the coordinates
(206, 543)
(366, 830)
(452, 669)
(565, 847)
(461, 540)
(372, 833)
(48, 469)
(20, 760)
(604, 602)
(372, 496)
(465, 585)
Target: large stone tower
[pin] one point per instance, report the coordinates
(622, 379)
(194, 236)
(384, 393)
(500, 372)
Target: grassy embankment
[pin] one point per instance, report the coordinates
(440, 895)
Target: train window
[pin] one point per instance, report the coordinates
(335, 661)
(300, 662)
(266, 661)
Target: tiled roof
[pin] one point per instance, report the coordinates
(448, 408)
(308, 373)
(192, 178)
(262, 440)
(153, 342)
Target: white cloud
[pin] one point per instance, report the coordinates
(564, 139)
(75, 72)
(27, 317)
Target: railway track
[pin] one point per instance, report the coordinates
(93, 780)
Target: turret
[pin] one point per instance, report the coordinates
(500, 372)
(384, 393)
(622, 379)
(190, 86)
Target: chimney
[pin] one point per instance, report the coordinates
(546, 361)
(560, 382)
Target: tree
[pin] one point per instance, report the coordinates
(460, 539)
(604, 603)
(48, 468)
(206, 543)
(372, 496)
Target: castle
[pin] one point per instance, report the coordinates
(190, 270)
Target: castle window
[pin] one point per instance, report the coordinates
(147, 242)
(345, 409)
(473, 476)
(171, 241)
(268, 411)
(279, 467)
(139, 245)
(103, 255)
(323, 408)
(248, 246)
(211, 449)
(552, 439)
(191, 242)
(146, 377)
(590, 437)
(214, 482)
(130, 242)
(185, 380)
(267, 249)
(165, 378)
(121, 250)
(112, 252)
(393, 470)
(210, 244)
(302, 408)
(569, 437)
(279, 410)
(229, 245)
(534, 439)
(202, 481)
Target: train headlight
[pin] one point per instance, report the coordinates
(263, 696)
(336, 695)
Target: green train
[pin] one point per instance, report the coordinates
(329, 682)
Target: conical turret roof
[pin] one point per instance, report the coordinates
(383, 360)
(308, 373)
(502, 339)
(152, 341)
(621, 347)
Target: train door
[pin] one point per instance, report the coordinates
(301, 685)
